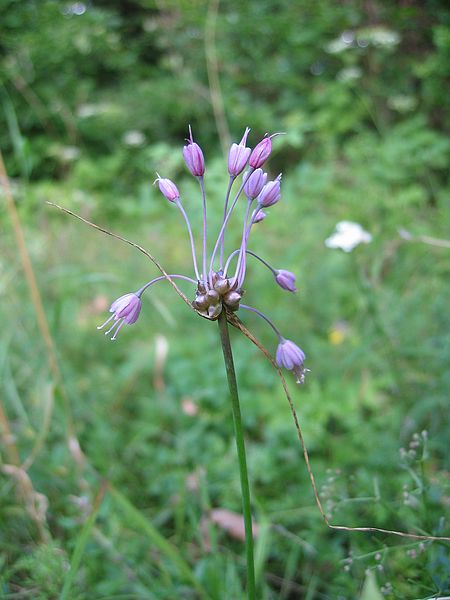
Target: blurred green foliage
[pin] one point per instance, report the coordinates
(96, 97)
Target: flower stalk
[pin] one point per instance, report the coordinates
(240, 446)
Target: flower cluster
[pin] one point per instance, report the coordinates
(218, 286)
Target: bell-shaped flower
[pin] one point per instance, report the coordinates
(260, 216)
(125, 310)
(261, 153)
(271, 193)
(193, 157)
(291, 357)
(255, 183)
(285, 280)
(238, 156)
(167, 188)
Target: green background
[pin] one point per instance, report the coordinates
(116, 458)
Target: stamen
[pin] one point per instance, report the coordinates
(117, 331)
(107, 321)
(114, 325)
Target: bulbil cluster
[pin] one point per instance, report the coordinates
(211, 297)
(219, 276)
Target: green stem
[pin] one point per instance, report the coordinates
(240, 445)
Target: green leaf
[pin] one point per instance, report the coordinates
(166, 548)
(80, 545)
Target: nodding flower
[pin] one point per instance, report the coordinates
(218, 278)
(286, 280)
(260, 216)
(167, 188)
(255, 183)
(271, 193)
(125, 310)
(261, 151)
(239, 155)
(291, 357)
(193, 156)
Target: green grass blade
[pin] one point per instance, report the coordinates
(165, 547)
(81, 544)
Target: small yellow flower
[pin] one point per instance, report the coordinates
(338, 333)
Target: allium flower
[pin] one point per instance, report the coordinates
(260, 216)
(261, 152)
(238, 156)
(219, 282)
(291, 357)
(193, 157)
(255, 183)
(168, 188)
(285, 280)
(347, 236)
(125, 309)
(271, 193)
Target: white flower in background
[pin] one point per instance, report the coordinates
(69, 153)
(349, 74)
(377, 37)
(84, 111)
(347, 236)
(134, 138)
(380, 36)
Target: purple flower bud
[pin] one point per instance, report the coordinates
(271, 192)
(261, 153)
(193, 157)
(167, 188)
(125, 310)
(286, 280)
(255, 183)
(238, 156)
(291, 357)
(260, 216)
